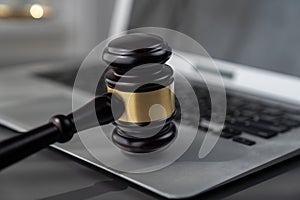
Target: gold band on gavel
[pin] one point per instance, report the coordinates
(138, 104)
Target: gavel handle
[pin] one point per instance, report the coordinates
(60, 129)
(22, 146)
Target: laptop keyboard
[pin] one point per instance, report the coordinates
(243, 115)
(254, 117)
(68, 75)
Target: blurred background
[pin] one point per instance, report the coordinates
(260, 33)
(33, 30)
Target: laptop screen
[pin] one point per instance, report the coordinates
(259, 33)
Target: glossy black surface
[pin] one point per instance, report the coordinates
(131, 50)
(136, 65)
(145, 145)
(143, 78)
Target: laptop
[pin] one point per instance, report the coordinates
(261, 125)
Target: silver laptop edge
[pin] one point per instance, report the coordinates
(21, 91)
(244, 77)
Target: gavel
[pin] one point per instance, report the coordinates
(136, 80)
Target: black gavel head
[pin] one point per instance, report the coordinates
(139, 76)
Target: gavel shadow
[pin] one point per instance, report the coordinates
(99, 188)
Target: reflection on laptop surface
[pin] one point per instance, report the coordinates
(261, 125)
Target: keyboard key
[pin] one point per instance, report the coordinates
(293, 111)
(233, 120)
(267, 127)
(242, 119)
(248, 113)
(232, 131)
(227, 135)
(257, 119)
(254, 131)
(292, 117)
(272, 111)
(253, 106)
(244, 141)
(235, 113)
(230, 120)
(233, 100)
(289, 123)
(268, 118)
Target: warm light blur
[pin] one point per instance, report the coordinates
(36, 11)
(4, 10)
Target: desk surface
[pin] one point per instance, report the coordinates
(54, 176)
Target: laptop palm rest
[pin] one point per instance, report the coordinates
(25, 115)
